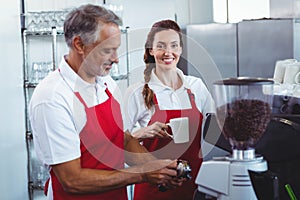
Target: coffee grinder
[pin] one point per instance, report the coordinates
(243, 111)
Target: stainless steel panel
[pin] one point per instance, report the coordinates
(261, 43)
(219, 40)
(296, 35)
(211, 54)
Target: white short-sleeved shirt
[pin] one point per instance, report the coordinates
(57, 116)
(135, 112)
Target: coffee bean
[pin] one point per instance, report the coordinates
(244, 121)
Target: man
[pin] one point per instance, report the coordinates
(77, 123)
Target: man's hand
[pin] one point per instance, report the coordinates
(154, 171)
(162, 173)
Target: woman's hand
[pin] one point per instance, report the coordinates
(157, 129)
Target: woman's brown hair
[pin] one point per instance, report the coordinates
(149, 59)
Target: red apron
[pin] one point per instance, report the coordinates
(166, 148)
(101, 146)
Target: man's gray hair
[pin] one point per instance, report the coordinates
(86, 21)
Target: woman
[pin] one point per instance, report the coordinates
(167, 93)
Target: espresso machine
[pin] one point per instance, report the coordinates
(243, 111)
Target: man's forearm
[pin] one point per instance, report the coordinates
(77, 180)
(135, 153)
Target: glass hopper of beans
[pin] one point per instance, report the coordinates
(243, 111)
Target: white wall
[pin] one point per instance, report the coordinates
(200, 11)
(13, 164)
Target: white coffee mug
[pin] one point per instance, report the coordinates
(297, 78)
(291, 71)
(280, 69)
(180, 129)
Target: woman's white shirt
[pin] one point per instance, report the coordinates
(135, 112)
